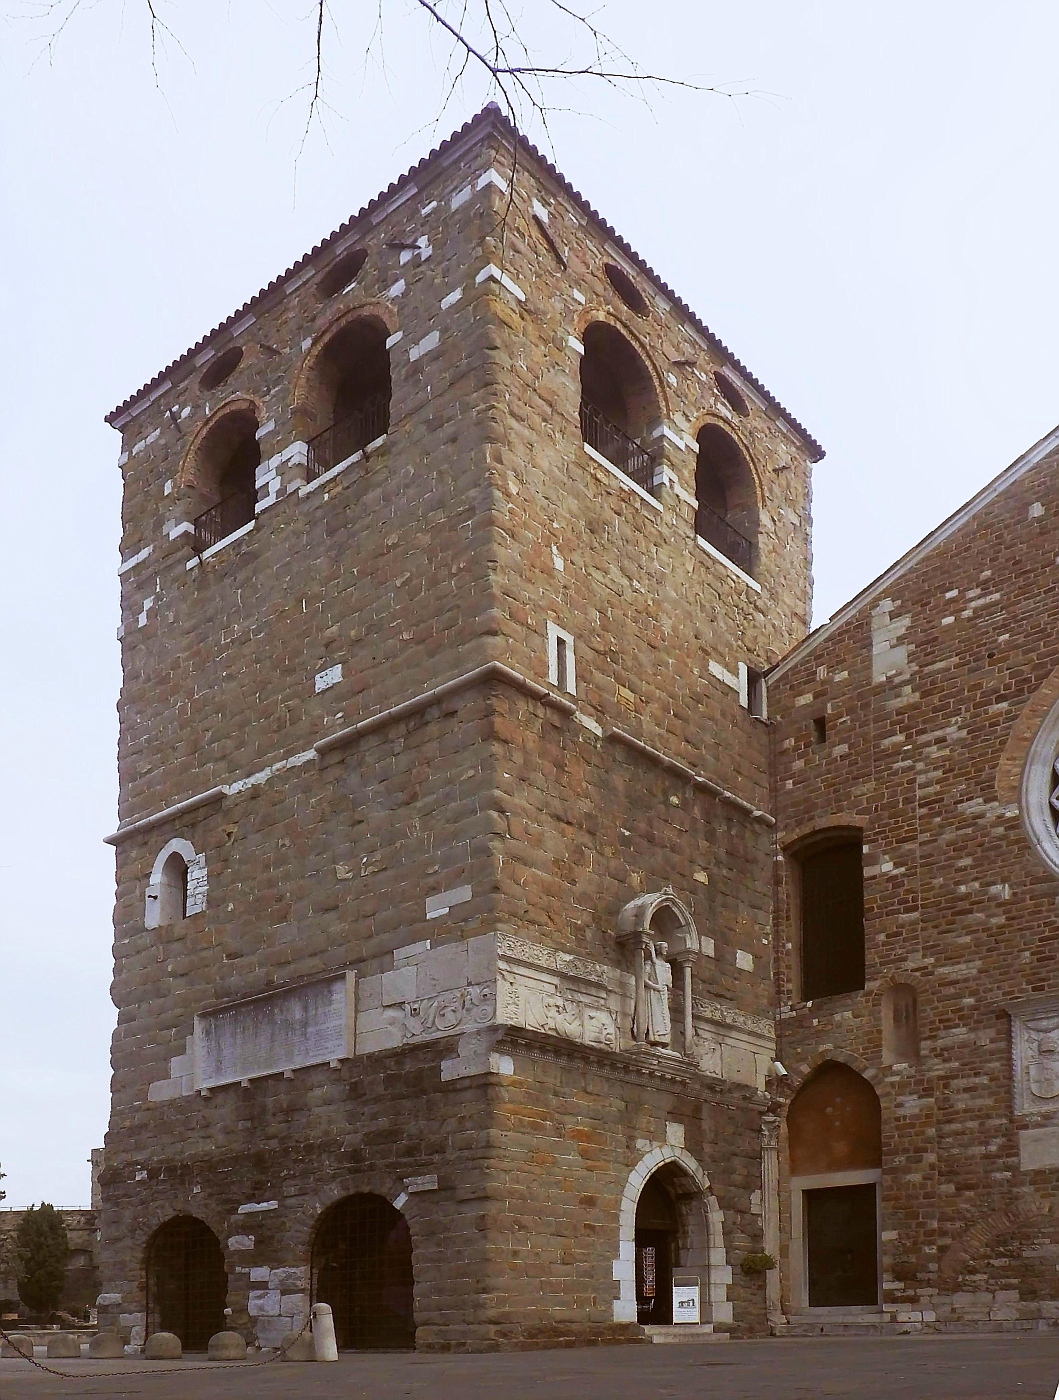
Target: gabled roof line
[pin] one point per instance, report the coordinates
(919, 551)
(489, 119)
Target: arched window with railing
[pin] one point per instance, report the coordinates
(225, 475)
(727, 512)
(349, 394)
(619, 406)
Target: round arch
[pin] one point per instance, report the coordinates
(700, 1229)
(177, 864)
(186, 1281)
(362, 1266)
(709, 418)
(605, 316)
(194, 467)
(661, 913)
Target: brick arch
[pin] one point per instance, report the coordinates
(836, 821)
(1013, 758)
(805, 1069)
(711, 1246)
(306, 371)
(604, 314)
(709, 418)
(994, 1227)
(188, 475)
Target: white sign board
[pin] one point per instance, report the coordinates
(307, 1025)
(686, 1302)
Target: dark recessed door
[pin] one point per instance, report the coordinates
(841, 1228)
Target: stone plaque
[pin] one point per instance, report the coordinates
(285, 1030)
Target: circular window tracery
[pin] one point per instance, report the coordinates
(1039, 791)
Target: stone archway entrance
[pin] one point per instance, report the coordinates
(834, 1133)
(657, 1253)
(667, 1205)
(187, 1284)
(362, 1267)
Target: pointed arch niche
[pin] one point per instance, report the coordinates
(834, 1143)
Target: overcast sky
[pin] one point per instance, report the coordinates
(872, 232)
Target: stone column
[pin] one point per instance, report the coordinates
(684, 961)
(770, 1212)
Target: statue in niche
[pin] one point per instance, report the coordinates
(1043, 1057)
(658, 982)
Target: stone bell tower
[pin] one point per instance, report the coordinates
(451, 563)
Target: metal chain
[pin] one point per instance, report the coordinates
(153, 1371)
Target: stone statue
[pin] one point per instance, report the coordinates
(657, 981)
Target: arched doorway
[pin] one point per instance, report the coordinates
(657, 1246)
(362, 1267)
(187, 1285)
(834, 1133)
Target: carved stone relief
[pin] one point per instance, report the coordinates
(1035, 1056)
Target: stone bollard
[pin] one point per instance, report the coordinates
(106, 1346)
(324, 1343)
(301, 1348)
(163, 1346)
(226, 1346)
(17, 1344)
(63, 1347)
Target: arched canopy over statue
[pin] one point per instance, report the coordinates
(658, 929)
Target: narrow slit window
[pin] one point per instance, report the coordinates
(820, 730)
(561, 668)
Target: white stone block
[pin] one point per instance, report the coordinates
(163, 1089)
(442, 970)
(260, 1275)
(624, 1310)
(623, 1269)
(369, 993)
(238, 1242)
(411, 952)
(400, 985)
(294, 1305)
(438, 904)
(386, 1039)
(264, 1302)
(273, 1331)
(675, 1134)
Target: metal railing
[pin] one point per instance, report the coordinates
(618, 447)
(347, 435)
(715, 530)
(224, 518)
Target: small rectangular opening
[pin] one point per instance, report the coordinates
(562, 671)
(820, 729)
(756, 701)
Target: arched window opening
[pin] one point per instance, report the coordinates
(352, 394)
(362, 1267)
(900, 1025)
(657, 1245)
(187, 1286)
(831, 899)
(834, 1132)
(618, 403)
(727, 515)
(173, 890)
(226, 475)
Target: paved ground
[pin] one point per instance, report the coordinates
(898, 1368)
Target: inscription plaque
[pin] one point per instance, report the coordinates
(285, 1030)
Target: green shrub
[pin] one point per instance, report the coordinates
(753, 1264)
(41, 1248)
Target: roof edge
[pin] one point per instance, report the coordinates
(489, 119)
(919, 551)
